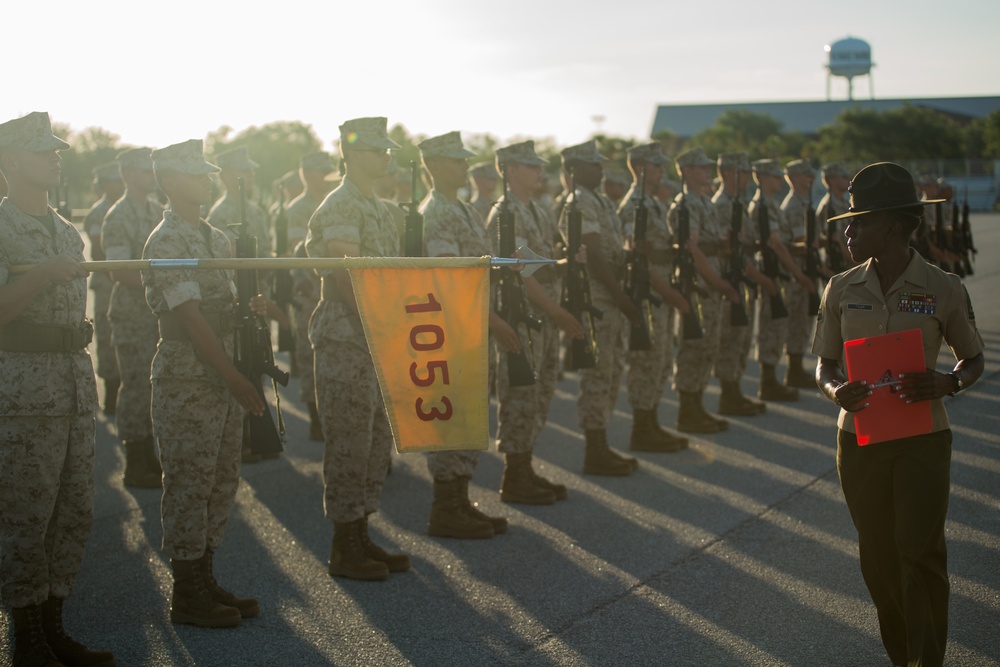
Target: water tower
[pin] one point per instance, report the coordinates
(849, 57)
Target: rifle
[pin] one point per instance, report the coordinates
(637, 276)
(685, 279)
(957, 240)
(576, 296)
(940, 236)
(769, 261)
(834, 253)
(812, 255)
(253, 355)
(413, 226)
(736, 276)
(965, 232)
(511, 303)
(282, 285)
(62, 201)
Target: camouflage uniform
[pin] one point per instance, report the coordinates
(197, 422)
(734, 342)
(298, 214)
(452, 228)
(771, 332)
(134, 334)
(793, 229)
(522, 411)
(599, 385)
(358, 437)
(696, 358)
(100, 285)
(47, 428)
(649, 370)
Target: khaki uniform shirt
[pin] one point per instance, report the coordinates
(348, 216)
(176, 238)
(601, 218)
(854, 307)
(126, 227)
(44, 384)
(226, 212)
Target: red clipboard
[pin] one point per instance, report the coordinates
(878, 361)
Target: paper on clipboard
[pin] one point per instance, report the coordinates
(878, 361)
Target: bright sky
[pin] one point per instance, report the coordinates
(159, 73)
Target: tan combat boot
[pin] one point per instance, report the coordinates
(691, 416)
(600, 459)
(348, 557)
(66, 649)
(647, 436)
(191, 603)
(248, 607)
(733, 402)
(138, 473)
(771, 389)
(498, 523)
(796, 376)
(31, 647)
(395, 562)
(518, 484)
(449, 517)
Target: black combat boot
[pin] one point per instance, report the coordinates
(518, 484)
(31, 647)
(600, 459)
(248, 607)
(647, 436)
(395, 562)
(795, 376)
(348, 557)
(498, 523)
(723, 424)
(69, 651)
(449, 516)
(733, 402)
(191, 603)
(771, 389)
(138, 474)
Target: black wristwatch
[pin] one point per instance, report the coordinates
(959, 385)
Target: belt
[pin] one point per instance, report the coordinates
(23, 336)
(222, 323)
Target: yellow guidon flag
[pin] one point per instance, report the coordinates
(426, 322)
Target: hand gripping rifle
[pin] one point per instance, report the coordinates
(413, 226)
(580, 353)
(737, 260)
(253, 355)
(769, 261)
(812, 255)
(511, 303)
(636, 285)
(685, 278)
(282, 284)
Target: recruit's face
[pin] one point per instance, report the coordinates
(37, 169)
(189, 188)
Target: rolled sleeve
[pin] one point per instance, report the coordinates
(960, 332)
(181, 292)
(828, 342)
